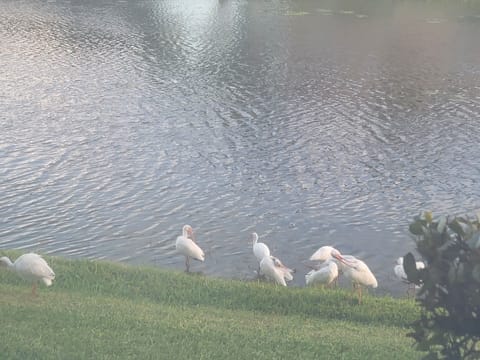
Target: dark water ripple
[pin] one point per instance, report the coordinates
(122, 121)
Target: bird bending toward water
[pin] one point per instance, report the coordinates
(273, 269)
(324, 253)
(358, 272)
(31, 267)
(186, 246)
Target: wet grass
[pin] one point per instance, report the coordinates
(104, 310)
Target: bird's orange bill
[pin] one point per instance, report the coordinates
(343, 260)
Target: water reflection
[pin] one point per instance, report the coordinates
(312, 123)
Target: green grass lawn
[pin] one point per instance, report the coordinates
(101, 310)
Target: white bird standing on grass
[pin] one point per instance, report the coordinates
(31, 267)
(186, 246)
(273, 269)
(358, 272)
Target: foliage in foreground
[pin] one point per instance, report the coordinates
(111, 311)
(449, 326)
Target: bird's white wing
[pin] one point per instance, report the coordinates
(41, 268)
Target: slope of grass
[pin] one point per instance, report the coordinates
(103, 310)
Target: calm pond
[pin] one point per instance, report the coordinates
(310, 122)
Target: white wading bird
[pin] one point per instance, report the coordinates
(399, 271)
(186, 246)
(358, 272)
(273, 269)
(260, 250)
(326, 275)
(31, 267)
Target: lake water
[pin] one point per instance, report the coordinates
(309, 122)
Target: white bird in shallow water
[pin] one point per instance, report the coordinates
(31, 267)
(273, 269)
(358, 272)
(399, 271)
(186, 246)
(326, 275)
(260, 250)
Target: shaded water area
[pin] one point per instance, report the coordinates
(310, 122)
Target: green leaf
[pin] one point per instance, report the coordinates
(410, 268)
(474, 242)
(442, 222)
(416, 228)
(428, 216)
(456, 228)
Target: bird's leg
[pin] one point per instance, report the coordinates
(408, 291)
(354, 288)
(411, 290)
(187, 263)
(357, 288)
(34, 289)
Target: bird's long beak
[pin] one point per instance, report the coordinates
(341, 259)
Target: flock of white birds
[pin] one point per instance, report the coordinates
(329, 265)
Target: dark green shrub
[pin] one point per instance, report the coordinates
(449, 326)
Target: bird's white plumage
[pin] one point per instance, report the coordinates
(327, 253)
(187, 246)
(273, 269)
(323, 276)
(31, 267)
(324, 253)
(260, 250)
(358, 272)
(400, 272)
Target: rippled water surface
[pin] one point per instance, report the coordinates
(310, 122)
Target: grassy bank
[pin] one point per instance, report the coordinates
(100, 310)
